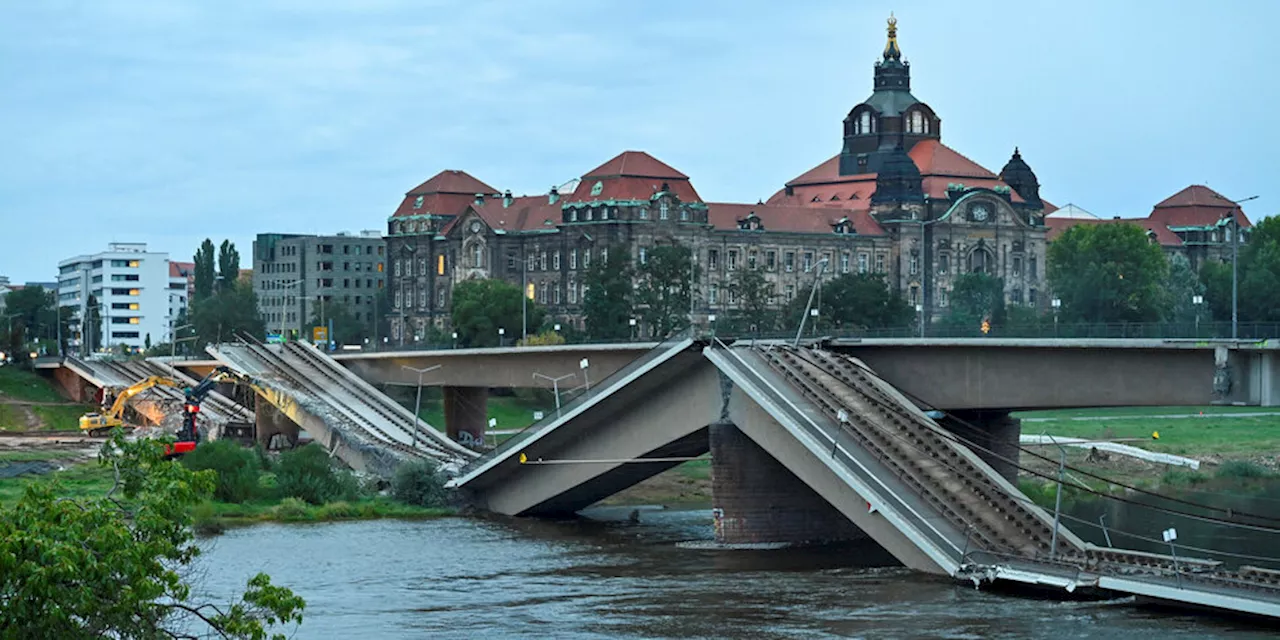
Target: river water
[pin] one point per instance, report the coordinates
(602, 576)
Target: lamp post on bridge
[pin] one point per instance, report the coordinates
(1196, 301)
(1234, 223)
(822, 266)
(501, 333)
(919, 316)
(1057, 304)
(555, 386)
(417, 404)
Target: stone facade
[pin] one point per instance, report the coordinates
(895, 201)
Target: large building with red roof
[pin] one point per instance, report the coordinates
(895, 200)
(1196, 222)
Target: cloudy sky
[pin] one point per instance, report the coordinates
(167, 122)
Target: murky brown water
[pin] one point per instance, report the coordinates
(604, 577)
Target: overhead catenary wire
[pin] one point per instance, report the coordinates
(1017, 464)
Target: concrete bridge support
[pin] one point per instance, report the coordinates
(757, 500)
(996, 435)
(76, 388)
(270, 422)
(466, 413)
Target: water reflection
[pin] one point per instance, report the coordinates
(606, 577)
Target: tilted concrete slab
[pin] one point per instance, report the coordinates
(657, 407)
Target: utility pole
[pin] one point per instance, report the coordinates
(524, 293)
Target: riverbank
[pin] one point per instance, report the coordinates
(81, 477)
(29, 402)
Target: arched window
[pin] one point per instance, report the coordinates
(864, 122)
(477, 255)
(980, 261)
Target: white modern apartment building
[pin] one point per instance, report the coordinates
(136, 294)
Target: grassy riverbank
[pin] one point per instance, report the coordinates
(82, 478)
(29, 402)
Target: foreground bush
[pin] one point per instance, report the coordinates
(237, 469)
(116, 566)
(419, 483)
(1242, 469)
(308, 474)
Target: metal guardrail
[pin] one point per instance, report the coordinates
(596, 388)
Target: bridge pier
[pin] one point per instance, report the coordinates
(269, 421)
(995, 431)
(757, 500)
(77, 389)
(466, 413)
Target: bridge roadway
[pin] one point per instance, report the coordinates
(951, 374)
(853, 439)
(357, 423)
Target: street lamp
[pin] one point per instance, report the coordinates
(919, 315)
(711, 320)
(632, 322)
(1235, 255)
(822, 266)
(555, 386)
(1197, 300)
(583, 364)
(1057, 304)
(455, 339)
(417, 403)
(501, 332)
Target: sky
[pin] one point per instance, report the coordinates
(167, 122)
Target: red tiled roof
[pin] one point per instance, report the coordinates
(635, 164)
(725, 215)
(452, 181)
(632, 175)
(449, 204)
(1196, 206)
(525, 213)
(939, 165)
(1059, 226)
(182, 269)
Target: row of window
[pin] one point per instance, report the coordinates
(122, 264)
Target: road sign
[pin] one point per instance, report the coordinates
(320, 335)
(274, 338)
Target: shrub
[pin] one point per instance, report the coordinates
(419, 483)
(236, 468)
(1241, 469)
(291, 509)
(340, 510)
(308, 474)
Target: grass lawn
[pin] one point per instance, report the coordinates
(62, 417)
(1139, 411)
(1199, 436)
(18, 384)
(511, 412)
(88, 480)
(11, 418)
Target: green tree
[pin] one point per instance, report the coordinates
(607, 302)
(756, 312)
(1259, 263)
(666, 282)
(114, 566)
(204, 271)
(232, 310)
(228, 264)
(1108, 273)
(976, 297)
(1216, 277)
(851, 302)
(1181, 286)
(481, 307)
(346, 329)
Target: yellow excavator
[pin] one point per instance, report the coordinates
(100, 423)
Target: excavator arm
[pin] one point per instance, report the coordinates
(112, 417)
(190, 433)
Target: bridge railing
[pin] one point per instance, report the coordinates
(595, 389)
